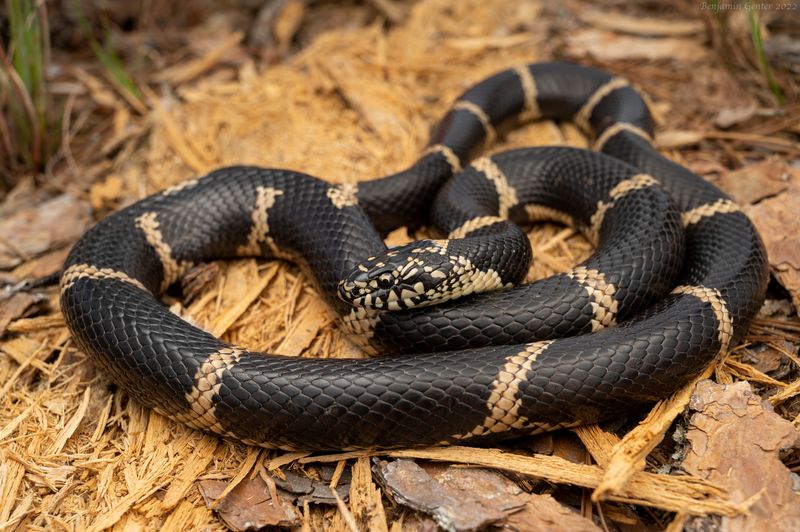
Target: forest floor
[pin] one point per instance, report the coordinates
(350, 91)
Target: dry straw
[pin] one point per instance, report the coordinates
(354, 105)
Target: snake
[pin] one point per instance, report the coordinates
(678, 274)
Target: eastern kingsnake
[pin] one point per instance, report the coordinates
(503, 370)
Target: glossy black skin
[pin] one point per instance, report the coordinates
(329, 404)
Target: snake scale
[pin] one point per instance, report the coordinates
(679, 271)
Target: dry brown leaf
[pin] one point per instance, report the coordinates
(777, 221)
(767, 359)
(249, 506)
(671, 139)
(735, 439)
(756, 181)
(15, 307)
(41, 266)
(610, 46)
(460, 499)
(728, 117)
(32, 231)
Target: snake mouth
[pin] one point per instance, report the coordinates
(394, 298)
(350, 292)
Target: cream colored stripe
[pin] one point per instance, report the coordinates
(482, 117)
(531, 110)
(504, 401)
(180, 186)
(604, 306)
(259, 230)
(648, 102)
(626, 186)
(617, 128)
(173, 269)
(723, 316)
(635, 182)
(710, 209)
(449, 155)
(473, 224)
(343, 195)
(207, 383)
(585, 113)
(85, 271)
(506, 194)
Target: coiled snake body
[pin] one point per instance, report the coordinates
(680, 285)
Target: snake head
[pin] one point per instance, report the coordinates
(412, 275)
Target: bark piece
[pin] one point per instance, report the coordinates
(249, 506)
(543, 512)
(735, 440)
(457, 498)
(32, 231)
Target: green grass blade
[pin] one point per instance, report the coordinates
(755, 34)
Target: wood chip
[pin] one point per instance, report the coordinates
(243, 285)
(365, 498)
(192, 469)
(628, 456)
(676, 494)
(69, 428)
(610, 46)
(645, 26)
(543, 512)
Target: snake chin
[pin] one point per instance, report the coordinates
(409, 276)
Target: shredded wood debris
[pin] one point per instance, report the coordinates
(356, 102)
(678, 494)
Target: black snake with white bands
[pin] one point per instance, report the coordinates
(677, 297)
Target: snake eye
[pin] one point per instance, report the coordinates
(385, 281)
